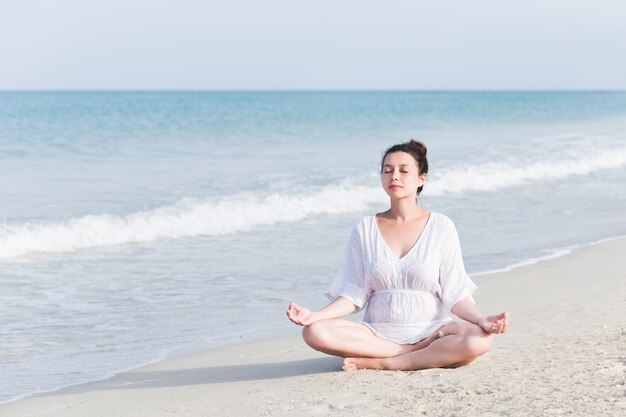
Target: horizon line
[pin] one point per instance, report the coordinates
(304, 90)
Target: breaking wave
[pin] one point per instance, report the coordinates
(240, 213)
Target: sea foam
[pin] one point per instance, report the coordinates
(243, 212)
(494, 176)
(186, 218)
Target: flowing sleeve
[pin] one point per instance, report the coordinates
(454, 282)
(350, 279)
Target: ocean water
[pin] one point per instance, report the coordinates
(140, 225)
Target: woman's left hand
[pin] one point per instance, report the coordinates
(495, 324)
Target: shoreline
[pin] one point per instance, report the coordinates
(563, 317)
(554, 254)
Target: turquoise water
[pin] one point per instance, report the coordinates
(137, 226)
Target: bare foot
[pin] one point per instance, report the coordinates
(352, 364)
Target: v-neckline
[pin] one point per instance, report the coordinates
(419, 238)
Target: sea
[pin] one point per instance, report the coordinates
(139, 226)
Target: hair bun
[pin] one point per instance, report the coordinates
(419, 146)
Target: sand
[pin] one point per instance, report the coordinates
(564, 354)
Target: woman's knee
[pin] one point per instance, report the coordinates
(476, 345)
(316, 334)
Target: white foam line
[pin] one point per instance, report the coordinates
(494, 176)
(554, 254)
(184, 219)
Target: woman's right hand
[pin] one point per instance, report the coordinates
(300, 315)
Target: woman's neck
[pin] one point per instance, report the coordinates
(404, 209)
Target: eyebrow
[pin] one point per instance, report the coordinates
(401, 165)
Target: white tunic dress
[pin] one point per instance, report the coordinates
(405, 299)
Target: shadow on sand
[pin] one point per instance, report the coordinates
(211, 375)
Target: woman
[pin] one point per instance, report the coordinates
(405, 267)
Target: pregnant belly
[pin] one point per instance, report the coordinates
(403, 307)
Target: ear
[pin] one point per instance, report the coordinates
(423, 178)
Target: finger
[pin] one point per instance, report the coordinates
(505, 323)
(495, 325)
(500, 325)
(291, 316)
(293, 307)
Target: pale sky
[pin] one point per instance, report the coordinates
(321, 44)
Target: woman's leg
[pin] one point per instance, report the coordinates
(347, 338)
(460, 344)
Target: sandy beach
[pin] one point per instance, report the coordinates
(565, 354)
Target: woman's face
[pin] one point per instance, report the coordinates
(400, 177)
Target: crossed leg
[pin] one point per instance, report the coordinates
(456, 345)
(346, 338)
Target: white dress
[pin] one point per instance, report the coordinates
(405, 299)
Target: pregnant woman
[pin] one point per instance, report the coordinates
(404, 266)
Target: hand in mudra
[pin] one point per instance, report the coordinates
(495, 324)
(299, 315)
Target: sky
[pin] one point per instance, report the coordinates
(312, 45)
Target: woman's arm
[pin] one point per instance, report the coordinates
(468, 311)
(340, 307)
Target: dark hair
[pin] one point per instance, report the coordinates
(414, 148)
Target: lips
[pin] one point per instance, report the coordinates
(394, 187)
